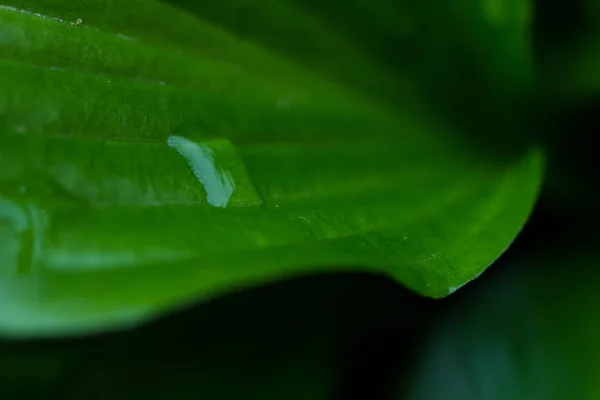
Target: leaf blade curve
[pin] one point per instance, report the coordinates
(104, 224)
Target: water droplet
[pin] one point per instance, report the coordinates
(212, 172)
(129, 38)
(453, 289)
(52, 170)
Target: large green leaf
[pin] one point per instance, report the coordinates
(141, 170)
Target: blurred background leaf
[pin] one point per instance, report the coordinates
(528, 330)
(300, 339)
(566, 41)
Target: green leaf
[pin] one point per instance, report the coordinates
(530, 332)
(141, 171)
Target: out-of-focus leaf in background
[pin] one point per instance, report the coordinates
(29, 370)
(567, 35)
(151, 159)
(272, 342)
(529, 331)
(567, 39)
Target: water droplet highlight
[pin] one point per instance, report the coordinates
(217, 182)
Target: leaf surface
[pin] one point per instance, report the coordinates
(141, 170)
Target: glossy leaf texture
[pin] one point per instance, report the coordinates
(150, 159)
(530, 332)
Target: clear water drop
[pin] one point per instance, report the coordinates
(218, 183)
